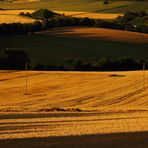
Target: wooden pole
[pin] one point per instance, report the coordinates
(26, 85)
(143, 75)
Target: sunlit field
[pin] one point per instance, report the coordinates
(88, 91)
(74, 109)
(14, 19)
(12, 16)
(73, 104)
(107, 16)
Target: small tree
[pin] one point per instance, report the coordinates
(105, 2)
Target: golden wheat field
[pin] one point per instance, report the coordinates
(90, 14)
(88, 108)
(12, 16)
(88, 91)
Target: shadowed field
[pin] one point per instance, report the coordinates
(57, 45)
(120, 140)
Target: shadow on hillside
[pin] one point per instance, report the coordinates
(118, 140)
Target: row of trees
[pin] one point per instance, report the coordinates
(11, 59)
(126, 22)
(104, 64)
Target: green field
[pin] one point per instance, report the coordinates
(115, 6)
(52, 49)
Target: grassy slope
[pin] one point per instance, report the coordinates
(80, 5)
(52, 49)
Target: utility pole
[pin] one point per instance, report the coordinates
(26, 78)
(143, 75)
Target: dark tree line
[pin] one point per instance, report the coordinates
(13, 59)
(130, 21)
(104, 64)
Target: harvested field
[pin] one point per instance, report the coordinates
(12, 16)
(14, 19)
(112, 109)
(90, 14)
(87, 91)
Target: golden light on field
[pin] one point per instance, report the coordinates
(11, 16)
(111, 102)
(14, 19)
(90, 91)
(98, 33)
(90, 14)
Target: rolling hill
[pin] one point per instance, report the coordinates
(48, 47)
(116, 6)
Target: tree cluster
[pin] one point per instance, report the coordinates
(13, 59)
(41, 14)
(134, 21)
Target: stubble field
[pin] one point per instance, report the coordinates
(73, 109)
